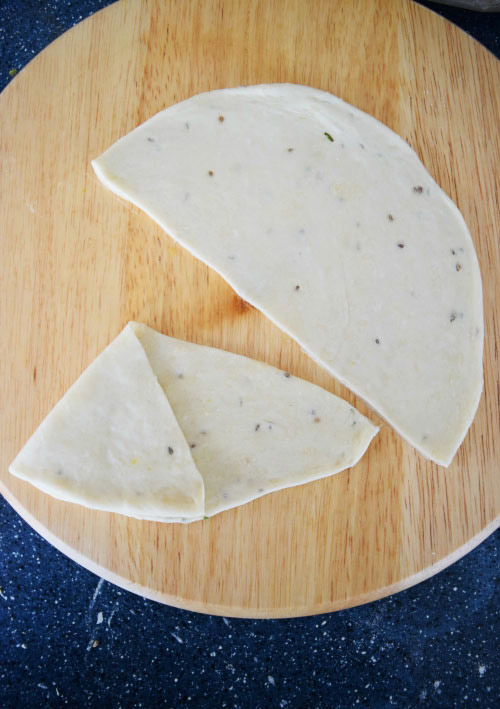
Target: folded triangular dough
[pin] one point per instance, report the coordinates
(124, 436)
(324, 219)
(252, 428)
(113, 443)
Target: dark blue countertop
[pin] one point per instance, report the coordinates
(70, 638)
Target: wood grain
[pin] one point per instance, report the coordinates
(78, 264)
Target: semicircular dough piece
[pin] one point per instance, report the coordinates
(113, 443)
(162, 429)
(325, 220)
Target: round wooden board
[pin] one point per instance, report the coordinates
(77, 264)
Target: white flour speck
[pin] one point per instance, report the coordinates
(437, 683)
(100, 618)
(481, 669)
(177, 638)
(97, 590)
(270, 679)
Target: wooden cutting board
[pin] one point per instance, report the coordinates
(77, 264)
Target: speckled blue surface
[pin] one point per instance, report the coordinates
(69, 638)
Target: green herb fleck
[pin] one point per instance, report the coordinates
(205, 517)
(329, 136)
(13, 72)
